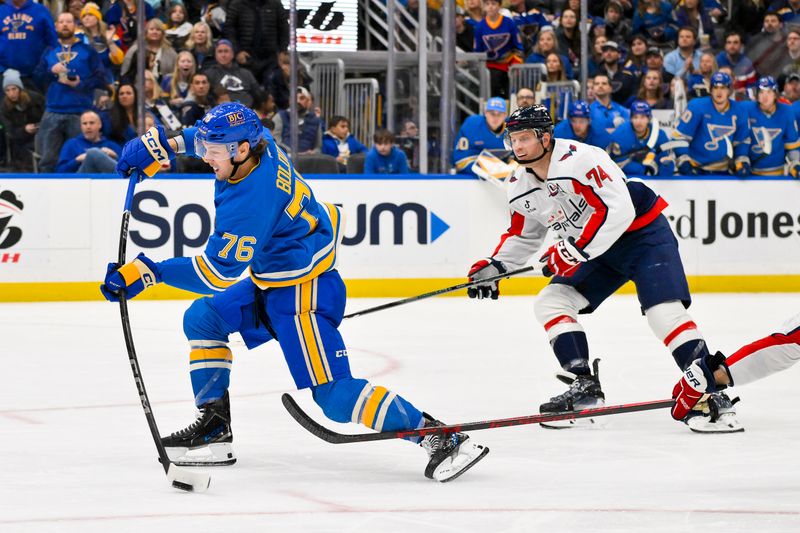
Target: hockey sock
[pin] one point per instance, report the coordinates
(356, 400)
(572, 352)
(210, 370)
(673, 325)
(210, 359)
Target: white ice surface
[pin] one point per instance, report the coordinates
(77, 454)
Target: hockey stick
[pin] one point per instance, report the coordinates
(328, 435)
(437, 292)
(180, 477)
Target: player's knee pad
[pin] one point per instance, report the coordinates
(558, 305)
(338, 398)
(201, 321)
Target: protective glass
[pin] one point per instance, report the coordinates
(214, 151)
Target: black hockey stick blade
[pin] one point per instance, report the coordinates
(328, 435)
(437, 292)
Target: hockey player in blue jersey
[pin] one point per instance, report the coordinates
(608, 230)
(774, 139)
(268, 221)
(580, 127)
(712, 133)
(640, 147)
(479, 133)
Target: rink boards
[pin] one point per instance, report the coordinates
(404, 235)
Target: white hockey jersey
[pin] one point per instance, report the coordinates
(585, 196)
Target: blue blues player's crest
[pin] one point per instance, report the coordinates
(718, 133)
(764, 136)
(16, 24)
(496, 42)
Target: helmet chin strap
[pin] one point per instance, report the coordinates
(236, 166)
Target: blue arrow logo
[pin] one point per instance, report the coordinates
(438, 226)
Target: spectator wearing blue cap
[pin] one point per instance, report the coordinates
(606, 113)
(26, 30)
(712, 133)
(640, 147)
(774, 139)
(580, 127)
(478, 133)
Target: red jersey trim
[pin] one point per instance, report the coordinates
(515, 230)
(645, 219)
(597, 219)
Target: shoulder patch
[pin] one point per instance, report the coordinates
(572, 149)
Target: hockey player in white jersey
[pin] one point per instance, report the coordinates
(609, 231)
(764, 357)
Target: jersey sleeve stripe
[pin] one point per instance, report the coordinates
(596, 220)
(776, 339)
(208, 276)
(517, 223)
(463, 163)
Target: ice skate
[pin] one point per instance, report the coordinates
(207, 441)
(714, 413)
(584, 393)
(451, 455)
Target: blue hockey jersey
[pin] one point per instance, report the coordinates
(501, 42)
(269, 221)
(24, 35)
(597, 136)
(473, 137)
(629, 151)
(777, 131)
(710, 135)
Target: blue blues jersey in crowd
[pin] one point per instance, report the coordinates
(708, 134)
(500, 42)
(608, 117)
(25, 33)
(82, 61)
(631, 152)
(473, 137)
(269, 221)
(778, 131)
(596, 136)
(785, 11)
(528, 25)
(659, 26)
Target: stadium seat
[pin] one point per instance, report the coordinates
(316, 164)
(355, 163)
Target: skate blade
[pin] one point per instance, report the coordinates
(727, 423)
(453, 467)
(220, 454)
(580, 423)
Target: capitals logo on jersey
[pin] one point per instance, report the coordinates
(572, 149)
(718, 133)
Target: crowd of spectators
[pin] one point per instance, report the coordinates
(69, 76)
(61, 58)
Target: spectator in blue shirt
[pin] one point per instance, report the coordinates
(685, 59)
(339, 143)
(385, 157)
(744, 74)
(606, 113)
(654, 19)
(73, 71)
(90, 152)
(26, 30)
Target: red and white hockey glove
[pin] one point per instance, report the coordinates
(483, 269)
(563, 258)
(698, 379)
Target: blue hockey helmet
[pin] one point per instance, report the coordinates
(721, 79)
(579, 109)
(768, 82)
(224, 127)
(640, 107)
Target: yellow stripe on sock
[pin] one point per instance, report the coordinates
(368, 418)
